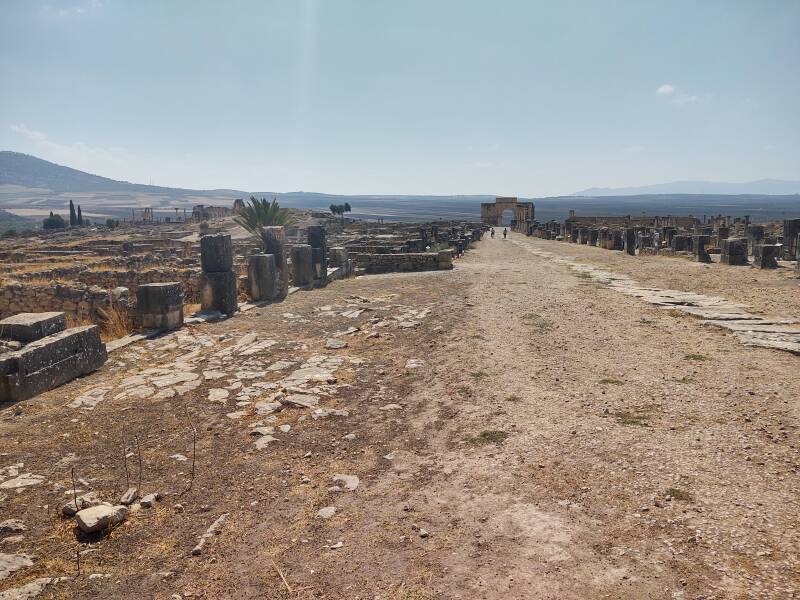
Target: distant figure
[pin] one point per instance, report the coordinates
(492, 232)
(505, 232)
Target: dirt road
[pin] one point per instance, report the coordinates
(517, 430)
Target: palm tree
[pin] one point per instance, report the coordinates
(262, 213)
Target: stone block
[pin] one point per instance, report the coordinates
(50, 362)
(261, 277)
(216, 253)
(630, 241)
(338, 256)
(29, 327)
(317, 239)
(302, 265)
(445, 259)
(160, 305)
(699, 243)
(319, 262)
(734, 251)
(218, 292)
(791, 233)
(765, 256)
(274, 238)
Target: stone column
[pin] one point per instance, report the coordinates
(217, 281)
(797, 255)
(302, 265)
(630, 241)
(261, 277)
(160, 305)
(275, 243)
(445, 259)
(765, 256)
(699, 243)
(733, 251)
(340, 258)
(317, 241)
(791, 233)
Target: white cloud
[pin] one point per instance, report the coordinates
(48, 10)
(677, 96)
(634, 149)
(480, 164)
(94, 159)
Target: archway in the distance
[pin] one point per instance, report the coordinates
(506, 217)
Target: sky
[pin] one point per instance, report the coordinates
(520, 98)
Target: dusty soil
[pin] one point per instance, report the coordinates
(550, 438)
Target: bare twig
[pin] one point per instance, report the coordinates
(139, 451)
(286, 583)
(125, 462)
(194, 451)
(78, 558)
(74, 491)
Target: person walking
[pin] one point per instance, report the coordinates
(505, 232)
(492, 232)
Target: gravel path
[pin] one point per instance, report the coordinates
(515, 430)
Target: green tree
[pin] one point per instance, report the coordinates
(54, 221)
(73, 217)
(9, 233)
(112, 223)
(262, 213)
(80, 216)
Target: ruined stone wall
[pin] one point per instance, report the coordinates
(408, 261)
(190, 278)
(78, 300)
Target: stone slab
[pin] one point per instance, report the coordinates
(50, 362)
(29, 327)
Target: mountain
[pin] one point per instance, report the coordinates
(31, 172)
(762, 186)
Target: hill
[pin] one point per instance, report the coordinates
(762, 186)
(32, 172)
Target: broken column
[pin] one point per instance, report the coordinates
(302, 265)
(217, 281)
(445, 259)
(765, 256)
(755, 234)
(791, 233)
(319, 250)
(699, 243)
(797, 255)
(261, 277)
(274, 238)
(160, 305)
(630, 241)
(340, 258)
(733, 251)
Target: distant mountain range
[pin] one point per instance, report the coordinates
(776, 187)
(29, 171)
(31, 187)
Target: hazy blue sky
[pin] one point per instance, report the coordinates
(500, 97)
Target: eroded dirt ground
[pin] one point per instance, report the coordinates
(516, 430)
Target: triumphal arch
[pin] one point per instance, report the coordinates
(522, 212)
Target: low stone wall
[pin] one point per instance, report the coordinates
(407, 261)
(80, 301)
(190, 278)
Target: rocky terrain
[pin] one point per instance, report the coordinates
(513, 428)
